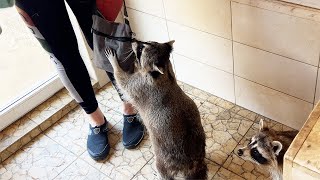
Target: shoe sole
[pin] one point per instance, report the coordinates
(102, 156)
(135, 145)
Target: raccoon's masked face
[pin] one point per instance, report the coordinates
(261, 149)
(152, 58)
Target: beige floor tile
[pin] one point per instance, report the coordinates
(224, 174)
(199, 93)
(42, 158)
(11, 134)
(245, 113)
(149, 171)
(223, 131)
(51, 106)
(196, 99)
(80, 169)
(185, 87)
(109, 97)
(71, 131)
(220, 102)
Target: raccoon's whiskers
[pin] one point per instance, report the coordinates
(130, 53)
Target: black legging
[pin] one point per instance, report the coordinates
(50, 23)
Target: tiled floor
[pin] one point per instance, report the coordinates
(60, 152)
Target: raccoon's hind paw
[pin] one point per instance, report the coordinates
(110, 54)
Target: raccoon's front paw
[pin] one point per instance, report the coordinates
(112, 56)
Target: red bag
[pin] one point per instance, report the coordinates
(109, 8)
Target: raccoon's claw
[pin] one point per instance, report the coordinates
(109, 53)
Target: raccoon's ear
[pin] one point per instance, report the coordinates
(277, 147)
(171, 42)
(169, 46)
(156, 68)
(262, 125)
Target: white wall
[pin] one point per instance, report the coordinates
(262, 55)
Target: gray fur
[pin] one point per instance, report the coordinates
(170, 116)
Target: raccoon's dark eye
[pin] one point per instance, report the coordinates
(257, 156)
(139, 50)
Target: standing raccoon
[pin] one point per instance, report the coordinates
(170, 116)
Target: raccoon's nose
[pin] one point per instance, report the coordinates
(240, 152)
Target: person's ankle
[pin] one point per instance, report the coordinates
(97, 123)
(96, 118)
(128, 109)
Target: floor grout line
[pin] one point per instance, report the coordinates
(142, 167)
(65, 168)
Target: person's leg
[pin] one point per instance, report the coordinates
(49, 22)
(133, 130)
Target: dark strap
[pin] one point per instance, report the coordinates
(126, 17)
(122, 39)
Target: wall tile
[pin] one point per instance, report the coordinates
(211, 16)
(308, 3)
(204, 77)
(206, 48)
(280, 73)
(148, 27)
(289, 36)
(154, 7)
(270, 103)
(284, 8)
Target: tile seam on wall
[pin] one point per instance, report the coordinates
(181, 24)
(232, 51)
(304, 6)
(199, 30)
(145, 12)
(278, 11)
(274, 89)
(315, 88)
(224, 37)
(275, 54)
(165, 18)
(203, 63)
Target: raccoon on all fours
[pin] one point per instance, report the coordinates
(170, 116)
(267, 148)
